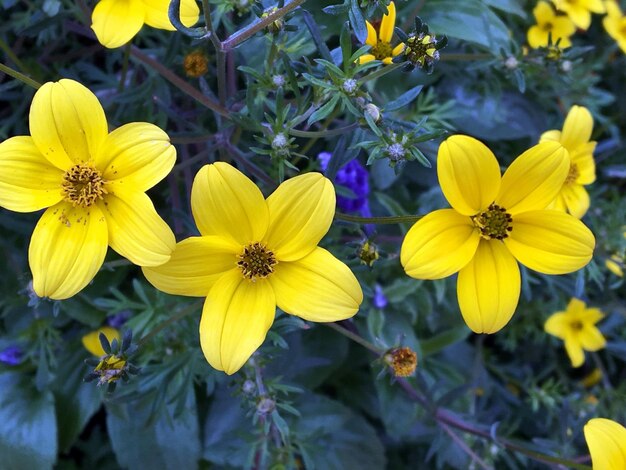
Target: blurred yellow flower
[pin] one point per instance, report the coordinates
(91, 341)
(615, 24)
(495, 221)
(381, 42)
(93, 184)
(548, 23)
(576, 327)
(253, 255)
(575, 137)
(607, 444)
(579, 11)
(116, 22)
(615, 264)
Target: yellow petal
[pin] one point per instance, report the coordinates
(301, 211)
(236, 317)
(387, 60)
(195, 265)
(468, 173)
(558, 324)
(28, 182)
(607, 444)
(583, 158)
(543, 13)
(550, 242)
(537, 37)
(438, 245)
(552, 136)
(67, 248)
(488, 288)
(388, 23)
(317, 287)
(591, 338)
(157, 17)
(115, 23)
(365, 58)
(596, 6)
(67, 123)
(576, 128)
(372, 38)
(91, 341)
(398, 49)
(579, 15)
(534, 178)
(227, 204)
(576, 199)
(563, 28)
(138, 156)
(135, 229)
(574, 349)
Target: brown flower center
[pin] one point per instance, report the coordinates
(381, 50)
(573, 174)
(547, 27)
(495, 222)
(256, 261)
(83, 185)
(576, 325)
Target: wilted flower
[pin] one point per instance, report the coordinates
(196, 64)
(576, 326)
(550, 25)
(403, 361)
(607, 444)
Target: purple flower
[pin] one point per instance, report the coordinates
(116, 321)
(11, 356)
(380, 301)
(354, 177)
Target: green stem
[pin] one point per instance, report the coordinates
(396, 219)
(450, 57)
(125, 61)
(380, 72)
(19, 76)
(240, 36)
(11, 55)
(356, 338)
(161, 326)
(324, 133)
(220, 55)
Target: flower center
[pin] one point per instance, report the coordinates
(547, 26)
(83, 185)
(495, 222)
(256, 261)
(381, 50)
(573, 174)
(576, 325)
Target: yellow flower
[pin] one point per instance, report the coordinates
(253, 255)
(615, 264)
(576, 327)
(615, 24)
(93, 184)
(494, 221)
(548, 23)
(579, 11)
(91, 341)
(575, 136)
(116, 22)
(607, 444)
(381, 42)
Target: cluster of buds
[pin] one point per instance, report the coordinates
(114, 365)
(421, 48)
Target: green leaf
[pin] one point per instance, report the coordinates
(509, 6)
(28, 435)
(357, 21)
(443, 340)
(325, 110)
(404, 99)
(170, 443)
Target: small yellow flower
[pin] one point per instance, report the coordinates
(110, 369)
(575, 137)
(593, 378)
(116, 22)
(93, 185)
(615, 264)
(579, 11)
(255, 254)
(560, 27)
(91, 341)
(495, 221)
(576, 327)
(615, 24)
(607, 444)
(381, 43)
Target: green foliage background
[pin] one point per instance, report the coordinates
(509, 400)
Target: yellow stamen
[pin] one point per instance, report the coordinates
(495, 222)
(83, 185)
(256, 261)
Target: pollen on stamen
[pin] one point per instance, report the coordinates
(494, 223)
(83, 185)
(256, 261)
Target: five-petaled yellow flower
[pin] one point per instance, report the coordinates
(253, 255)
(615, 23)
(91, 341)
(579, 11)
(93, 184)
(116, 22)
(607, 444)
(575, 137)
(576, 326)
(548, 23)
(381, 43)
(495, 220)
